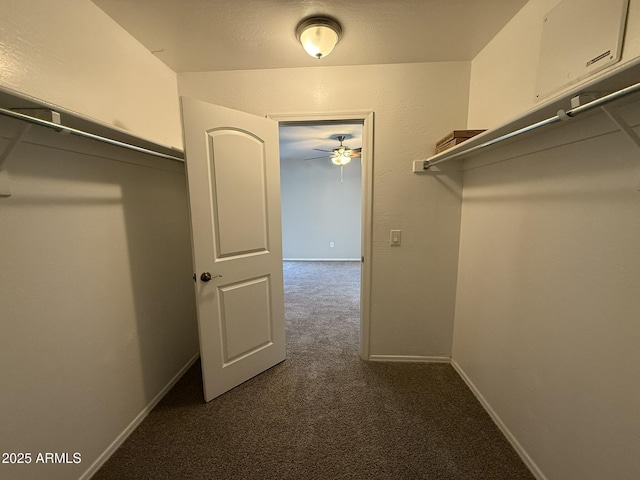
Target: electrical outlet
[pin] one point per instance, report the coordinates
(331, 244)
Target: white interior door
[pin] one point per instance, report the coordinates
(233, 172)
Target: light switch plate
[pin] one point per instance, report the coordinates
(395, 238)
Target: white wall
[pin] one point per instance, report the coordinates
(503, 74)
(73, 55)
(547, 307)
(317, 209)
(96, 299)
(96, 296)
(413, 286)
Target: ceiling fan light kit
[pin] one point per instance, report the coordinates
(318, 35)
(341, 156)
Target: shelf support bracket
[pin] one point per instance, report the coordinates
(5, 182)
(622, 125)
(42, 114)
(23, 129)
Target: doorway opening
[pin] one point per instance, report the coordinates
(326, 165)
(321, 191)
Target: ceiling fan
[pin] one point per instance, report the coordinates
(340, 155)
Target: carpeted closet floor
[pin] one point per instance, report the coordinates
(323, 413)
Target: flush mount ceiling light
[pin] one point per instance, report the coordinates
(318, 35)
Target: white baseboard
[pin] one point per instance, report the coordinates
(408, 358)
(95, 466)
(528, 461)
(321, 259)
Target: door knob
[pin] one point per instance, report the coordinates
(205, 277)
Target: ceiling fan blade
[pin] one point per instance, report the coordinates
(321, 150)
(315, 158)
(356, 152)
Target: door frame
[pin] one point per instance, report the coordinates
(366, 234)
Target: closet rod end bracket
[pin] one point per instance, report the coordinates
(421, 166)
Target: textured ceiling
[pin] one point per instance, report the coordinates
(213, 35)
(297, 142)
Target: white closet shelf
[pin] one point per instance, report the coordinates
(623, 78)
(78, 124)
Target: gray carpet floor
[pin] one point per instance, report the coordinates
(323, 413)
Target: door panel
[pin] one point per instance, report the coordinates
(246, 318)
(239, 196)
(233, 173)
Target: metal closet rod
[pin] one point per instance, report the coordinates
(82, 133)
(562, 115)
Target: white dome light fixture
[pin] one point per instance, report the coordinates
(318, 35)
